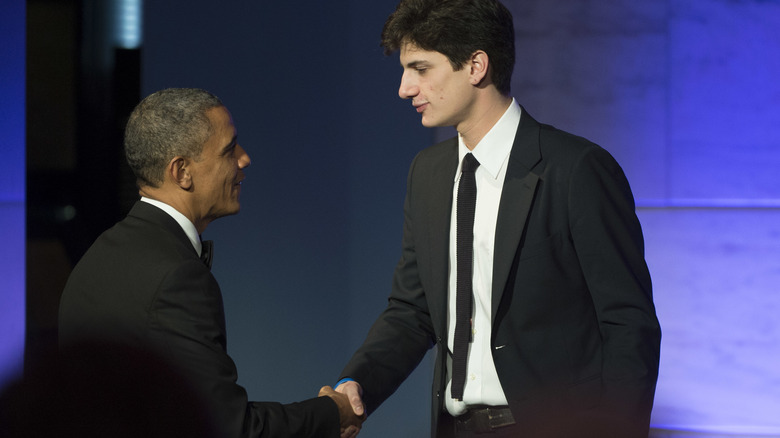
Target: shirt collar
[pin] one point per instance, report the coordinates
(184, 223)
(492, 151)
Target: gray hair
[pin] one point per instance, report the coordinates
(166, 124)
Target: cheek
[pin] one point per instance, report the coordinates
(434, 93)
(441, 90)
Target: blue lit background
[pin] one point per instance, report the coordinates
(12, 186)
(685, 95)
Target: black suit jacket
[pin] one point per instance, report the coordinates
(142, 283)
(575, 338)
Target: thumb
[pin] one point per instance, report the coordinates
(357, 404)
(354, 393)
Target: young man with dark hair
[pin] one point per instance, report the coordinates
(522, 256)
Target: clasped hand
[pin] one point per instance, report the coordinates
(351, 410)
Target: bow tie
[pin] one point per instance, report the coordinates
(207, 252)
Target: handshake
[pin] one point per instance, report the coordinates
(350, 403)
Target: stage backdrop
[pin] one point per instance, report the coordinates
(12, 184)
(684, 94)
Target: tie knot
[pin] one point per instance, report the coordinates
(470, 163)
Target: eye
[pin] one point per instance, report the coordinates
(230, 149)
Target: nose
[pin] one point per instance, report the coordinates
(243, 158)
(408, 88)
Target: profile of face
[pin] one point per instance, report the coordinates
(443, 96)
(219, 171)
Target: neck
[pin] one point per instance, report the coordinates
(177, 200)
(487, 113)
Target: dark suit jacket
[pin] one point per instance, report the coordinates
(142, 283)
(575, 337)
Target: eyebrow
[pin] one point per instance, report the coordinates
(415, 64)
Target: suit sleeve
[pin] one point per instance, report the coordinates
(609, 244)
(403, 333)
(187, 321)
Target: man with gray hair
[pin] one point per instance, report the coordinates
(146, 282)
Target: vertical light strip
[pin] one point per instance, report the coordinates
(128, 28)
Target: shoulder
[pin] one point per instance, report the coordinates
(443, 148)
(117, 282)
(440, 154)
(135, 253)
(538, 145)
(562, 151)
(557, 143)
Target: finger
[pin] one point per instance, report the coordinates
(357, 404)
(350, 432)
(352, 390)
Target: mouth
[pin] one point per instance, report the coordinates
(421, 107)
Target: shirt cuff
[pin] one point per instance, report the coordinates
(345, 379)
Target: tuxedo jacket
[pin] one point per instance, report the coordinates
(142, 283)
(575, 338)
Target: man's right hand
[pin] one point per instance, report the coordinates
(354, 392)
(350, 421)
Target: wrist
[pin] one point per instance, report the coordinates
(344, 380)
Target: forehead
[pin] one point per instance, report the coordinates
(222, 129)
(219, 117)
(411, 54)
(221, 122)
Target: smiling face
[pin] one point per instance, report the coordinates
(443, 96)
(218, 172)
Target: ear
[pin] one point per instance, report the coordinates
(179, 172)
(478, 65)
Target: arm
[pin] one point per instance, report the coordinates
(187, 322)
(403, 333)
(609, 244)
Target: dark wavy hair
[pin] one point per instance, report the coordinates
(457, 29)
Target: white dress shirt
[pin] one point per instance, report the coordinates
(184, 223)
(492, 152)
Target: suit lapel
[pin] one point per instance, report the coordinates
(516, 198)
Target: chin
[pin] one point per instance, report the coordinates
(231, 210)
(428, 123)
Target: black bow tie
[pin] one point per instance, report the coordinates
(207, 252)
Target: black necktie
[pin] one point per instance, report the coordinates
(207, 252)
(467, 200)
